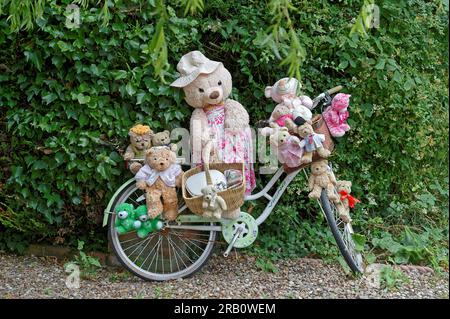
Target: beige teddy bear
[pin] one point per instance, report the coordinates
(140, 141)
(159, 177)
(345, 200)
(213, 205)
(311, 142)
(163, 139)
(322, 178)
(288, 147)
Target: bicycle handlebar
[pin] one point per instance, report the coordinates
(335, 89)
(325, 94)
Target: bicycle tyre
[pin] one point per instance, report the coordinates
(127, 263)
(343, 237)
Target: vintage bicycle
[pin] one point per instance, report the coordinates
(183, 247)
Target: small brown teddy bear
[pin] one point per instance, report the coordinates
(345, 200)
(322, 178)
(163, 139)
(140, 141)
(311, 142)
(159, 177)
(213, 205)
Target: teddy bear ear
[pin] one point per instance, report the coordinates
(149, 151)
(284, 128)
(166, 132)
(268, 91)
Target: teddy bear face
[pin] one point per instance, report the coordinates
(319, 167)
(279, 111)
(160, 158)
(305, 130)
(279, 136)
(208, 192)
(283, 89)
(161, 138)
(209, 89)
(140, 141)
(340, 101)
(283, 136)
(344, 186)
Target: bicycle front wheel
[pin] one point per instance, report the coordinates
(163, 255)
(342, 233)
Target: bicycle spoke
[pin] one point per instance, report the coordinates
(149, 254)
(173, 246)
(134, 261)
(191, 239)
(183, 252)
(134, 245)
(188, 246)
(156, 252)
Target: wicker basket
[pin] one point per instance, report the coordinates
(234, 197)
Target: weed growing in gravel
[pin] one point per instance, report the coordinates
(391, 278)
(266, 265)
(88, 264)
(119, 276)
(48, 291)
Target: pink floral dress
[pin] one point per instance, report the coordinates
(232, 148)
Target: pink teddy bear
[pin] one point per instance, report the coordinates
(336, 115)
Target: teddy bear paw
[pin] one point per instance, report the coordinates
(314, 195)
(345, 218)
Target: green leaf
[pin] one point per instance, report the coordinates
(83, 99)
(140, 98)
(34, 59)
(49, 98)
(380, 65)
(121, 74)
(343, 64)
(130, 89)
(409, 83)
(83, 120)
(40, 165)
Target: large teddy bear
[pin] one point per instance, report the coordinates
(140, 141)
(158, 177)
(216, 119)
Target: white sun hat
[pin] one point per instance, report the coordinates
(191, 65)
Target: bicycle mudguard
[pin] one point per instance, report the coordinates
(107, 210)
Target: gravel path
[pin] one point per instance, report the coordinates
(235, 277)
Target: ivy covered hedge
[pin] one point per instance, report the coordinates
(69, 95)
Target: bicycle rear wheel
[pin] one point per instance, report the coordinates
(342, 233)
(163, 255)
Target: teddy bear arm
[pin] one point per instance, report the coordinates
(141, 184)
(178, 180)
(311, 182)
(236, 115)
(332, 178)
(129, 153)
(222, 203)
(199, 126)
